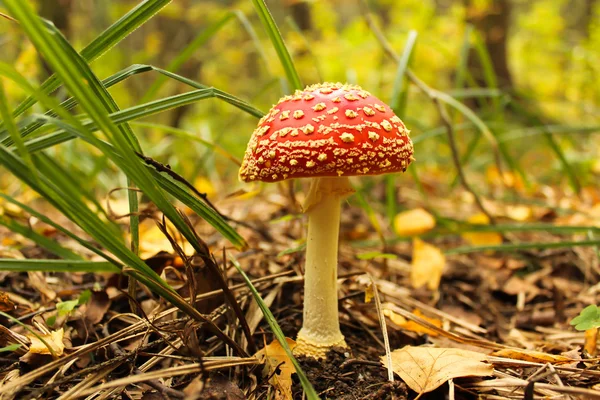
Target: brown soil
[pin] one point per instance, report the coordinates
(344, 377)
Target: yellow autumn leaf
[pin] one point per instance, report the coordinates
(279, 367)
(54, 339)
(153, 240)
(427, 265)
(412, 326)
(369, 293)
(424, 369)
(481, 238)
(532, 356)
(204, 185)
(519, 212)
(508, 178)
(413, 222)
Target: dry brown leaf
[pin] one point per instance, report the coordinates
(481, 238)
(426, 368)
(411, 325)
(532, 356)
(427, 265)
(54, 339)
(5, 303)
(413, 222)
(279, 367)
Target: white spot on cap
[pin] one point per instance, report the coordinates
(386, 125)
(272, 154)
(368, 111)
(333, 110)
(308, 97)
(336, 99)
(307, 129)
(310, 164)
(350, 97)
(284, 115)
(379, 107)
(373, 136)
(298, 114)
(351, 114)
(347, 137)
(322, 157)
(293, 162)
(319, 107)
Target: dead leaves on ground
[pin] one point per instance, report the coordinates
(426, 368)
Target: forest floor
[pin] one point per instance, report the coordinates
(495, 326)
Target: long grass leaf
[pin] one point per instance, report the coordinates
(272, 30)
(9, 264)
(61, 228)
(184, 55)
(38, 239)
(136, 17)
(400, 88)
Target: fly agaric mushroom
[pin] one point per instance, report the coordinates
(327, 132)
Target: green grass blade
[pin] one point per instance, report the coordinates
(12, 128)
(400, 88)
(9, 264)
(33, 123)
(60, 228)
(522, 246)
(174, 188)
(272, 30)
(188, 52)
(106, 40)
(93, 98)
(309, 390)
(532, 119)
(38, 239)
(133, 113)
(462, 66)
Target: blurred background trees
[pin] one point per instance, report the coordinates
(486, 53)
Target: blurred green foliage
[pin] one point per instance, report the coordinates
(552, 55)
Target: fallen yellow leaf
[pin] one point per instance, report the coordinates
(532, 356)
(413, 222)
(427, 265)
(204, 185)
(427, 368)
(369, 293)
(277, 360)
(54, 339)
(481, 238)
(412, 326)
(519, 212)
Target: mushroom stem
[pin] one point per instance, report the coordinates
(321, 328)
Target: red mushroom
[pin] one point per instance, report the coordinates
(326, 132)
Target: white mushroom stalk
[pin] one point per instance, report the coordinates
(321, 328)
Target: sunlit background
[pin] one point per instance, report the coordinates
(526, 68)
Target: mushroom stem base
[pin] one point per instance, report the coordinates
(308, 347)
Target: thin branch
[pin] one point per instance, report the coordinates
(167, 169)
(433, 95)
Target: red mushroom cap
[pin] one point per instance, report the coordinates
(328, 129)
